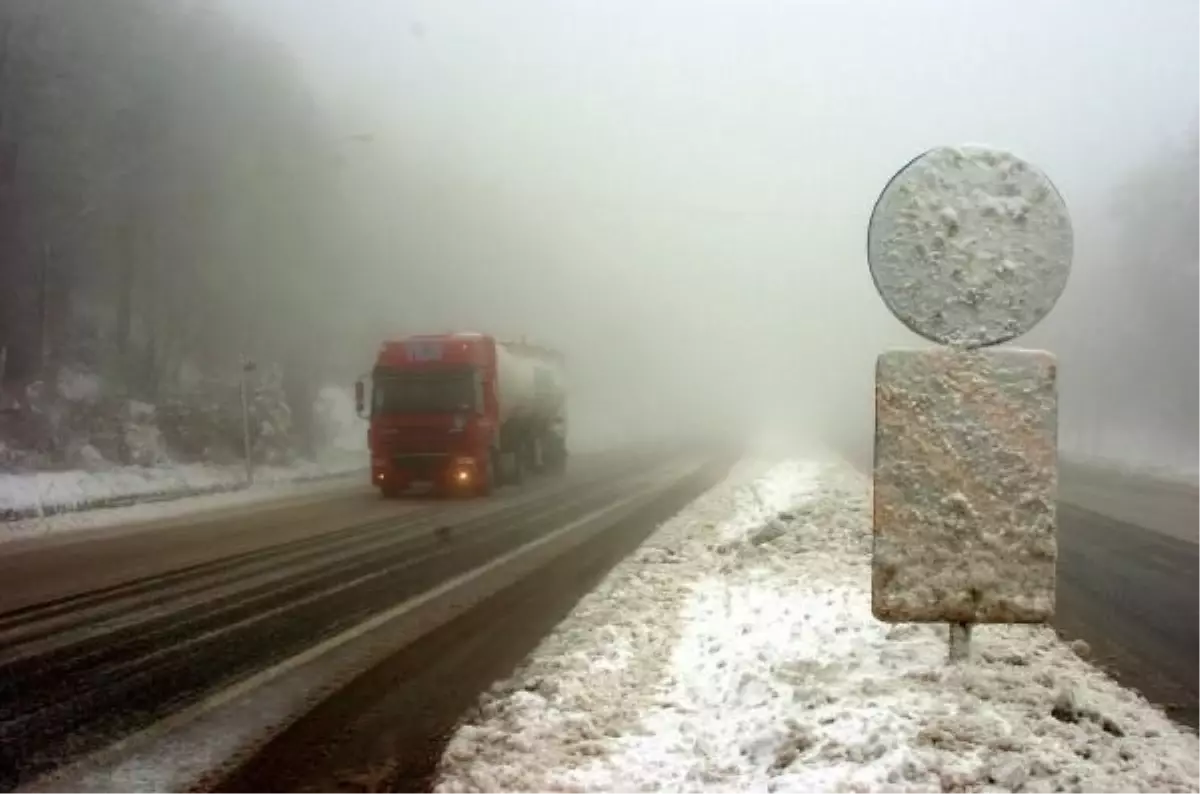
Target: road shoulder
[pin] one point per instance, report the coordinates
(1168, 506)
(741, 654)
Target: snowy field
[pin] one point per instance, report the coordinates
(736, 650)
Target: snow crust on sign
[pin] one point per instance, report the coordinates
(970, 246)
(720, 657)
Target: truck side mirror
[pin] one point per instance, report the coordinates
(359, 392)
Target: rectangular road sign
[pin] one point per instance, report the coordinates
(965, 486)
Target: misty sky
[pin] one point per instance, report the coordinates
(688, 183)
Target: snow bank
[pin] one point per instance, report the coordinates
(102, 484)
(45, 493)
(176, 505)
(78, 385)
(737, 651)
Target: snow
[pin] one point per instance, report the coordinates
(970, 246)
(719, 657)
(42, 494)
(79, 386)
(761, 500)
(344, 429)
(96, 482)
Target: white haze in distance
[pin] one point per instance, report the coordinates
(677, 193)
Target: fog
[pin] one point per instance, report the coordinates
(676, 194)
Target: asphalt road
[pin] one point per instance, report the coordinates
(1128, 590)
(105, 632)
(387, 729)
(102, 635)
(1129, 587)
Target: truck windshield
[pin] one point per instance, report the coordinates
(431, 392)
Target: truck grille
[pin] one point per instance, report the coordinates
(420, 467)
(417, 440)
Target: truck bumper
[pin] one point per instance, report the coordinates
(451, 474)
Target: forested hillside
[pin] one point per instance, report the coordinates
(167, 207)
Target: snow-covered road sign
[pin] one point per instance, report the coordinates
(968, 247)
(965, 482)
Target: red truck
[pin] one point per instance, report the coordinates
(462, 413)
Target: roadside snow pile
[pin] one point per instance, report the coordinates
(46, 493)
(79, 386)
(722, 657)
(178, 505)
(159, 471)
(761, 507)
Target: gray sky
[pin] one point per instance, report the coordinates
(686, 185)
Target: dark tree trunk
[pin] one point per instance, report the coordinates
(300, 394)
(126, 279)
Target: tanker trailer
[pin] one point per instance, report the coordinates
(531, 391)
(462, 413)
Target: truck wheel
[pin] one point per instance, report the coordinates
(516, 474)
(536, 460)
(557, 457)
(389, 492)
(487, 482)
(496, 469)
(560, 464)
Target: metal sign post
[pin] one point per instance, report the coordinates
(969, 247)
(248, 367)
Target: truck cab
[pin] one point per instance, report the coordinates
(432, 411)
(449, 414)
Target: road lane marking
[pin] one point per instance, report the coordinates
(176, 752)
